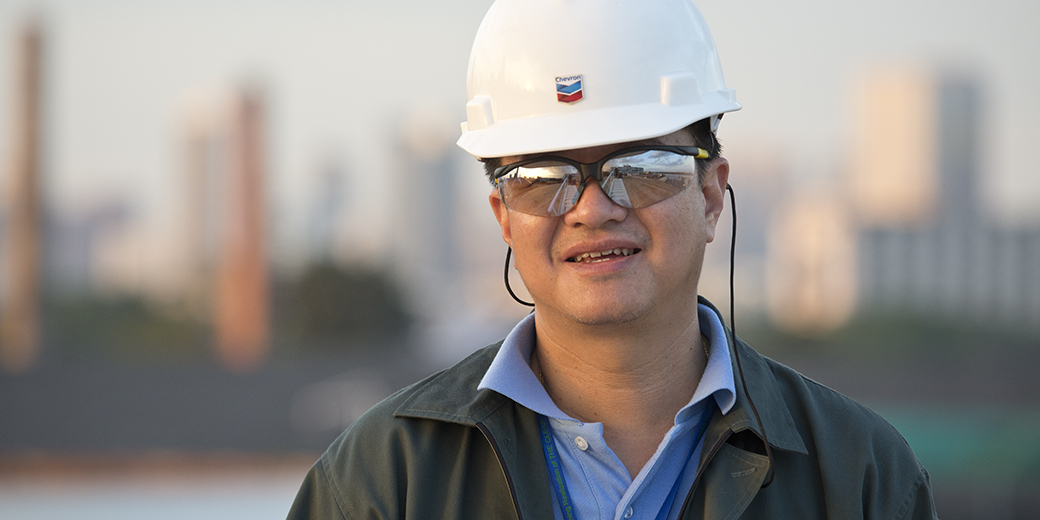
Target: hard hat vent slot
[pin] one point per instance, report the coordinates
(680, 89)
(479, 114)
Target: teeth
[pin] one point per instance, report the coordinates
(589, 257)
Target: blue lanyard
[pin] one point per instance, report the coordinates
(552, 460)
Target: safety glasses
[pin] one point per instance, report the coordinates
(635, 177)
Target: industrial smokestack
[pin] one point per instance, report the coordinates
(20, 311)
(242, 300)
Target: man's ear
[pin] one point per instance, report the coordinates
(713, 187)
(501, 214)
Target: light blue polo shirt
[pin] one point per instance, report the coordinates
(600, 485)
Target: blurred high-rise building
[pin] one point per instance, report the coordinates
(794, 258)
(446, 248)
(329, 204)
(926, 245)
(894, 172)
(811, 282)
(20, 311)
(425, 197)
(203, 147)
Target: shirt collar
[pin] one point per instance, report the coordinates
(510, 372)
(717, 379)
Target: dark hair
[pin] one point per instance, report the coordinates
(700, 131)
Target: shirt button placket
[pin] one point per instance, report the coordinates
(629, 512)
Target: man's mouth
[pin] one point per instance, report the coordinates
(601, 256)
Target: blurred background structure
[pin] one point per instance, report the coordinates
(20, 313)
(241, 320)
(228, 228)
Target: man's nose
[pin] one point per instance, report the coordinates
(594, 208)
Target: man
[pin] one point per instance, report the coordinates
(622, 395)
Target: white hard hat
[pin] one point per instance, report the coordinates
(550, 75)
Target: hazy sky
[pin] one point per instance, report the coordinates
(341, 76)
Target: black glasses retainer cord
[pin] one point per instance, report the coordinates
(733, 330)
(509, 253)
(732, 325)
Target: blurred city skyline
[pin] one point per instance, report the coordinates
(362, 105)
(343, 78)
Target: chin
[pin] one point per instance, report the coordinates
(599, 314)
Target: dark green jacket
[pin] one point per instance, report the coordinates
(442, 449)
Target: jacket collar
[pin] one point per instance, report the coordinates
(755, 372)
(452, 395)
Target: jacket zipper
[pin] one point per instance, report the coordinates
(502, 464)
(700, 471)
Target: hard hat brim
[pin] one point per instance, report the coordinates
(604, 126)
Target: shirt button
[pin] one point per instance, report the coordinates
(582, 443)
(628, 512)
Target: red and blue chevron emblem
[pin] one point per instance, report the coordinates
(568, 89)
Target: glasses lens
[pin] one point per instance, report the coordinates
(634, 180)
(643, 178)
(545, 188)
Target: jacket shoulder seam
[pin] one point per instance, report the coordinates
(905, 507)
(879, 421)
(816, 386)
(336, 491)
(430, 414)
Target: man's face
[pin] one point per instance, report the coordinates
(657, 281)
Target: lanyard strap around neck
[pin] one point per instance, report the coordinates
(559, 483)
(552, 460)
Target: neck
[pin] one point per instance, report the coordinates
(633, 384)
